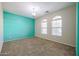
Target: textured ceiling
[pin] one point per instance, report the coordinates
(26, 8)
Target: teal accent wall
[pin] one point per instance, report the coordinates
(17, 27)
(77, 40)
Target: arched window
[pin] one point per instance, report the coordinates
(44, 26)
(57, 26)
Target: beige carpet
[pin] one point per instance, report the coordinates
(36, 47)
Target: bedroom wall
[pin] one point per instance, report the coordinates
(1, 27)
(77, 31)
(17, 27)
(69, 26)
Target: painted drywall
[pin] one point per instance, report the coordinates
(68, 15)
(1, 27)
(17, 27)
(77, 31)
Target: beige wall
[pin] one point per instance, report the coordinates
(69, 26)
(1, 27)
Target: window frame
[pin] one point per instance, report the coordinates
(44, 21)
(56, 27)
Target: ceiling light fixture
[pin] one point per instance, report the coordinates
(34, 12)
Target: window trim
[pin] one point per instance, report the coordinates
(55, 27)
(42, 27)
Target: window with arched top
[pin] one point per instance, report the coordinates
(44, 26)
(57, 26)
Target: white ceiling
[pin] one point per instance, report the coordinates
(25, 8)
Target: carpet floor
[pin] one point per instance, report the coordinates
(36, 47)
